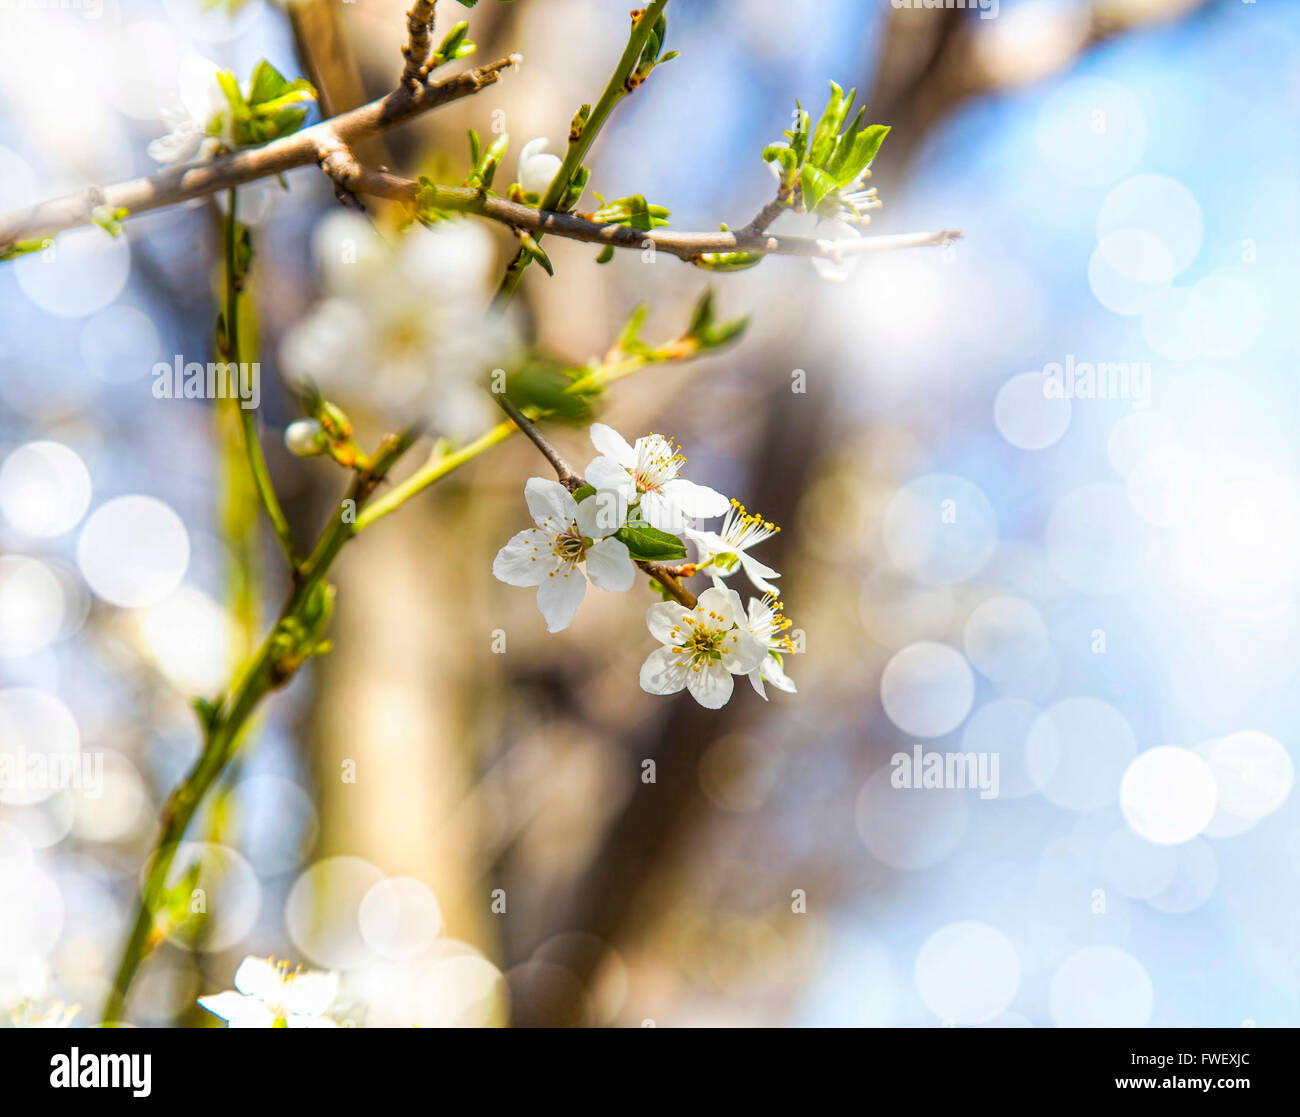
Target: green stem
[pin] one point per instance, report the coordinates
(248, 421)
(615, 90)
(264, 672)
(434, 470)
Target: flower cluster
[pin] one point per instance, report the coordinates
(634, 508)
(404, 325)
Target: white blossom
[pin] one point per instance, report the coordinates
(537, 168)
(726, 550)
(404, 327)
(570, 538)
(767, 625)
(646, 475)
(202, 125)
(272, 995)
(702, 648)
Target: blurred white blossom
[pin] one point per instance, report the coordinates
(404, 325)
(272, 995)
(202, 124)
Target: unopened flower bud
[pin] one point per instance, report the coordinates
(304, 438)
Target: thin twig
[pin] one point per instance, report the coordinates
(569, 477)
(298, 150)
(615, 90)
(419, 43)
(572, 480)
(685, 246)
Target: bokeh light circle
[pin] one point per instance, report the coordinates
(940, 529)
(44, 489)
(1027, 416)
(1078, 751)
(909, 828)
(133, 551)
(1168, 795)
(81, 272)
(927, 689)
(32, 609)
(323, 912)
(399, 918)
(1095, 543)
(967, 973)
(1101, 987)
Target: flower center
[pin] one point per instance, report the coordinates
(569, 545)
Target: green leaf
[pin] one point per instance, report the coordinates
(648, 544)
(727, 261)
(585, 491)
(866, 145)
(267, 82)
(816, 185)
(606, 254)
(536, 251)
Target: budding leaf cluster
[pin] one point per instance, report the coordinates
(271, 109)
(825, 161)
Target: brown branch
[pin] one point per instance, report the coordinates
(685, 246)
(298, 150)
(569, 477)
(339, 162)
(572, 480)
(419, 43)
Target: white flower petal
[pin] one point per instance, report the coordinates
(710, 686)
(726, 603)
(602, 514)
(741, 653)
(605, 475)
(559, 595)
(525, 560)
(758, 573)
(260, 978)
(609, 566)
(310, 993)
(664, 616)
(536, 169)
(756, 680)
(200, 91)
(663, 673)
(612, 445)
(775, 674)
(658, 510)
(178, 146)
(698, 501)
(551, 505)
(238, 1011)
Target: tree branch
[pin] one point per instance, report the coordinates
(298, 150)
(685, 246)
(419, 43)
